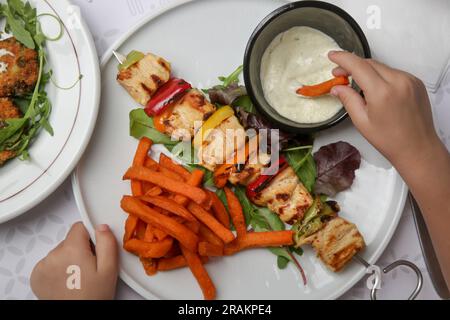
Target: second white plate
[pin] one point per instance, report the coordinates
(23, 184)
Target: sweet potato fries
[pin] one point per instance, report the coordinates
(174, 222)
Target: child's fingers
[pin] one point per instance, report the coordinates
(340, 72)
(106, 251)
(385, 71)
(78, 237)
(361, 71)
(353, 103)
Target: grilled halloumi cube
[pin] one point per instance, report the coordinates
(251, 171)
(191, 108)
(286, 196)
(337, 243)
(257, 161)
(221, 143)
(143, 78)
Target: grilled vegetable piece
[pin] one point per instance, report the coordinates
(166, 96)
(286, 196)
(337, 243)
(145, 77)
(314, 220)
(192, 107)
(18, 68)
(7, 111)
(221, 143)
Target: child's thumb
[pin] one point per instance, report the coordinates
(352, 101)
(106, 251)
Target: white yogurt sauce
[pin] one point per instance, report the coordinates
(298, 57)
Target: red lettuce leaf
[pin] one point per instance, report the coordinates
(336, 165)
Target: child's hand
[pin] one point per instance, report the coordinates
(395, 113)
(395, 116)
(97, 273)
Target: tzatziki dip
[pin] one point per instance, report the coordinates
(296, 57)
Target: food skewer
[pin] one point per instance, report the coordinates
(119, 57)
(315, 91)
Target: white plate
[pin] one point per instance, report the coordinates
(205, 39)
(23, 184)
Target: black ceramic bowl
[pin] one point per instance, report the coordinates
(322, 16)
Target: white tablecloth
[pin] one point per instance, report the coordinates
(28, 238)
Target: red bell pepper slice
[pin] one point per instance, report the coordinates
(166, 95)
(264, 179)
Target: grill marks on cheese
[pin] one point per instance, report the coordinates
(191, 108)
(286, 196)
(145, 77)
(337, 243)
(255, 165)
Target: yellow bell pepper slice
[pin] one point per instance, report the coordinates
(213, 122)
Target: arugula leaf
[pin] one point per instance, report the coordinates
(141, 125)
(302, 162)
(16, 26)
(12, 127)
(232, 78)
(208, 179)
(245, 103)
(221, 194)
(247, 206)
(272, 220)
(282, 262)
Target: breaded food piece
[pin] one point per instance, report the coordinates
(7, 111)
(337, 243)
(221, 143)
(286, 196)
(5, 156)
(143, 78)
(191, 108)
(19, 68)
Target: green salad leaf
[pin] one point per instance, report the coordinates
(17, 19)
(141, 125)
(232, 78)
(245, 103)
(302, 162)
